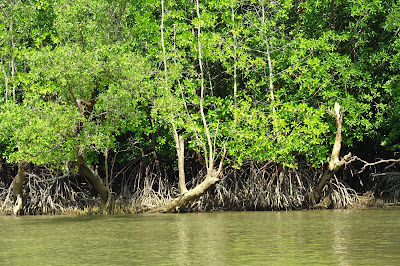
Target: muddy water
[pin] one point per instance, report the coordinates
(337, 237)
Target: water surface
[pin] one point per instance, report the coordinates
(337, 237)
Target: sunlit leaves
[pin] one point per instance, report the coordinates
(263, 135)
(39, 131)
(321, 52)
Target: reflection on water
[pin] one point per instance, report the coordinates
(337, 237)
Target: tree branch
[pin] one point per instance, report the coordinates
(367, 164)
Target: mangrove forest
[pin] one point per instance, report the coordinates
(118, 106)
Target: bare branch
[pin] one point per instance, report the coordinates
(367, 164)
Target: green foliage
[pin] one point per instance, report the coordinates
(38, 131)
(88, 75)
(280, 136)
(80, 93)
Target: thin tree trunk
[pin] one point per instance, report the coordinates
(180, 151)
(235, 58)
(13, 77)
(108, 186)
(5, 79)
(332, 16)
(203, 117)
(271, 86)
(335, 163)
(179, 141)
(18, 181)
(212, 175)
(121, 12)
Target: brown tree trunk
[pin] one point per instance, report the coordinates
(84, 170)
(187, 198)
(85, 107)
(180, 152)
(17, 187)
(335, 163)
(212, 176)
(332, 19)
(191, 195)
(181, 165)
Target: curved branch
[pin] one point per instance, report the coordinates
(367, 164)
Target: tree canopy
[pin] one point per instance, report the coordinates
(84, 78)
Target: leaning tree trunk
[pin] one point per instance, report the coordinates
(193, 194)
(335, 163)
(17, 187)
(103, 191)
(85, 108)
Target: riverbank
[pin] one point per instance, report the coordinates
(134, 206)
(254, 187)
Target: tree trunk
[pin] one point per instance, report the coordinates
(332, 19)
(271, 86)
(185, 199)
(193, 194)
(235, 57)
(121, 12)
(5, 79)
(17, 187)
(181, 165)
(179, 141)
(84, 170)
(180, 152)
(335, 164)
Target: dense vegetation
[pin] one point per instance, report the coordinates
(135, 101)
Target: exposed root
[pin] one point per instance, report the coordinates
(145, 186)
(257, 187)
(272, 187)
(388, 186)
(6, 200)
(47, 194)
(342, 196)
